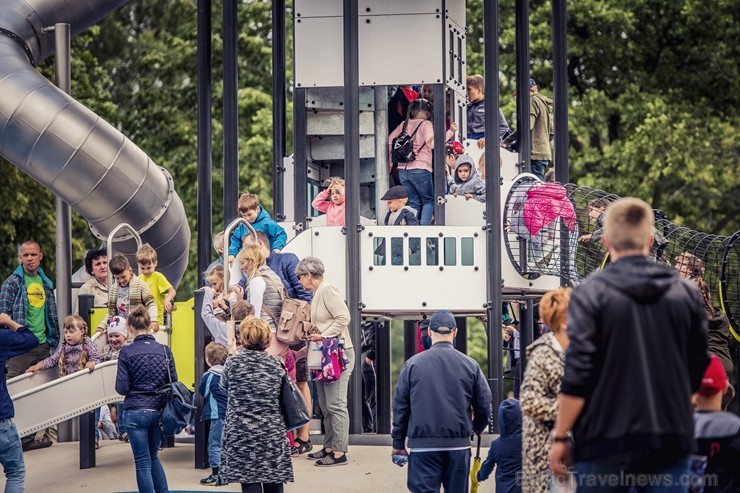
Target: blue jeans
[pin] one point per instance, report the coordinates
(429, 470)
(539, 167)
(11, 457)
(142, 426)
(214, 442)
(420, 188)
(645, 470)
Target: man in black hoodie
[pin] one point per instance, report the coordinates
(638, 349)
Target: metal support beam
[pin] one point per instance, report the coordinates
(278, 108)
(461, 341)
(300, 154)
(440, 179)
(381, 149)
(63, 73)
(522, 84)
(384, 385)
(204, 217)
(231, 112)
(493, 203)
(526, 335)
(352, 211)
(85, 303)
(409, 339)
(201, 431)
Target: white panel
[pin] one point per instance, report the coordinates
(330, 245)
(455, 10)
(319, 52)
(385, 7)
(317, 8)
(454, 56)
(332, 123)
(423, 288)
(509, 160)
(400, 49)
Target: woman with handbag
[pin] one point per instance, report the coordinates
(142, 372)
(331, 318)
(255, 450)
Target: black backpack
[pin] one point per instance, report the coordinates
(402, 147)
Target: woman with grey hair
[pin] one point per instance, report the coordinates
(330, 316)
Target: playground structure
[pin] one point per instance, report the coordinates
(469, 262)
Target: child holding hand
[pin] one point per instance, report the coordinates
(76, 353)
(331, 202)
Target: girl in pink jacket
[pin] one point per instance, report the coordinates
(331, 202)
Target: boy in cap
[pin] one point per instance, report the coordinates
(466, 181)
(399, 214)
(431, 407)
(717, 433)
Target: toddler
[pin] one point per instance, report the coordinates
(162, 290)
(331, 202)
(216, 308)
(117, 338)
(127, 292)
(466, 181)
(214, 408)
(399, 214)
(250, 209)
(506, 452)
(77, 352)
(452, 152)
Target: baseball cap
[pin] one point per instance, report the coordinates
(714, 379)
(442, 320)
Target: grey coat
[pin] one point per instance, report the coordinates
(255, 446)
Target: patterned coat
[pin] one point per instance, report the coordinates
(539, 394)
(255, 447)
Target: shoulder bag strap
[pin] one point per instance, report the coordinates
(167, 360)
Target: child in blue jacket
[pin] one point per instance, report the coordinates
(250, 209)
(214, 408)
(506, 452)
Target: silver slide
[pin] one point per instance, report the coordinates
(70, 150)
(42, 400)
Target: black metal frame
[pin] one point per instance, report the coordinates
(522, 84)
(278, 108)
(231, 111)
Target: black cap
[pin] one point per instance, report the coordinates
(397, 192)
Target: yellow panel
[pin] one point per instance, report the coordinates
(97, 315)
(182, 342)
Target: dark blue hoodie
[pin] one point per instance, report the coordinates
(506, 452)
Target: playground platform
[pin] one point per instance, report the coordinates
(56, 469)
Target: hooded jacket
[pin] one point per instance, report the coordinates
(433, 397)
(638, 350)
(473, 185)
(545, 203)
(334, 212)
(274, 232)
(506, 452)
(541, 125)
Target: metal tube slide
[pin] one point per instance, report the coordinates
(70, 150)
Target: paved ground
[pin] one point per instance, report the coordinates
(56, 470)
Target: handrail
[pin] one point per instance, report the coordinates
(227, 236)
(109, 244)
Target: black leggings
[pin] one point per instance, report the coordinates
(262, 487)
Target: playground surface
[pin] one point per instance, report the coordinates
(56, 469)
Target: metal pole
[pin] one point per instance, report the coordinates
(461, 341)
(560, 88)
(300, 154)
(86, 422)
(526, 336)
(352, 211)
(438, 160)
(381, 149)
(493, 204)
(278, 108)
(409, 339)
(205, 219)
(201, 431)
(522, 84)
(383, 377)
(63, 71)
(231, 113)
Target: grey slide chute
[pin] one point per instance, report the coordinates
(73, 152)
